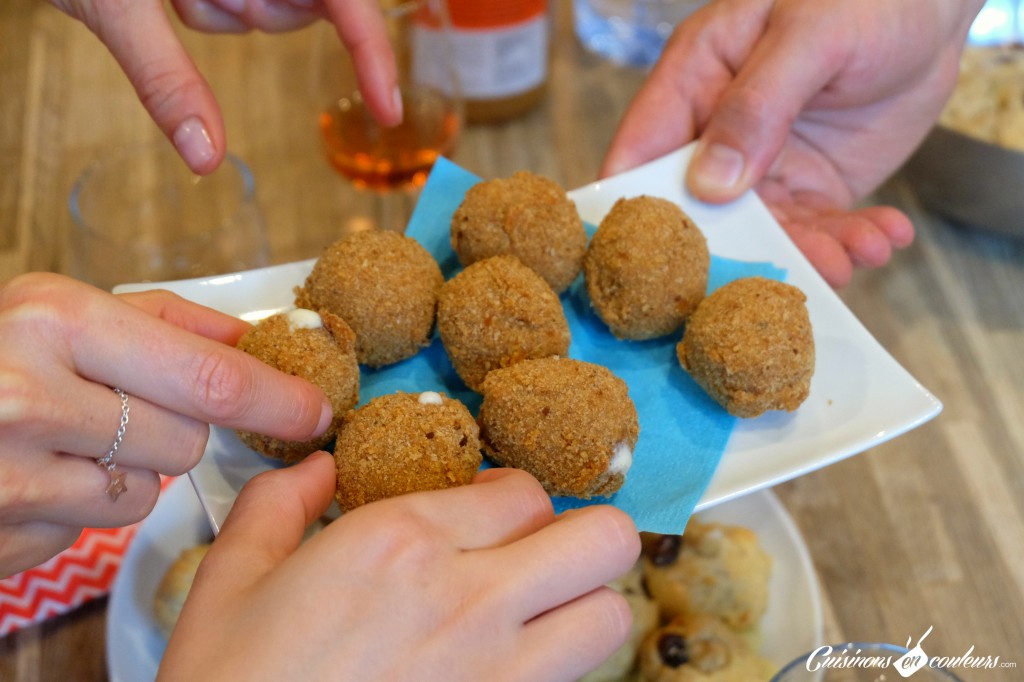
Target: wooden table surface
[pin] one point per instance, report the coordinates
(926, 530)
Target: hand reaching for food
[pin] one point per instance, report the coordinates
(173, 370)
(482, 574)
(143, 41)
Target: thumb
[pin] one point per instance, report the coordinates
(752, 120)
(267, 522)
(636, 138)
(170, 87)
(264, 527)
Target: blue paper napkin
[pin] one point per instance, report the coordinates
(683, 433)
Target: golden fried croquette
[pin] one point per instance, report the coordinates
(404, 442)
(646, 268)
(750, 346)
(385, 285)
(317, 347)
(699, 647)
(569, 423)
(527, 216)
(713, 568)
(495, 313)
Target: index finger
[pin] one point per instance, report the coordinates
(187, 315)
(142, 40)
(582, 550)
(360, 25)
(500, 507)
(167, 359)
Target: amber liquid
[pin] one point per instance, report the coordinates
(504, 108)
(390, 158)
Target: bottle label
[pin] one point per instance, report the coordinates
(493, 60)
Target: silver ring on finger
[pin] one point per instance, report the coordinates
(117, 478)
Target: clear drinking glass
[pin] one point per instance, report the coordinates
(370, 155)
(629, 32)
(139, 214)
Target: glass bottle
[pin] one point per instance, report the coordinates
(502, 55)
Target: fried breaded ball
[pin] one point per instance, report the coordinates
(698, 648)
(498, 312)
(646, 268)
(569, 423)
(713, 568)
(385, 285)
(317, 347)
(527, 216)
(750, 346)
(404, 442)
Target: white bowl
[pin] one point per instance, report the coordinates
(970, 181)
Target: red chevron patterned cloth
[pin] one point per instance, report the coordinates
(79, 574)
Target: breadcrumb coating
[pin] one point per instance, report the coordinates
(751, 347)
(563, 421)
(385, 285)
(527, 216)
(498, 312)
(322, 355)
(404, 442)
(646, 268)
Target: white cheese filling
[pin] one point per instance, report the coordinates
(430, 398)
(622, 459)
(300, 318)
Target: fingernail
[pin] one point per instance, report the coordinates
(615, 166)
(193, 143)
(234, 6)
(326, 414)
(718, 167)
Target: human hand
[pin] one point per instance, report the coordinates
(811, 103)
(479, 582)
(142, 40)
(63, 344)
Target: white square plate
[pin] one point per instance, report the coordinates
(860, 396)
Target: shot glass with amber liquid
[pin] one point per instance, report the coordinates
(356, 145)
